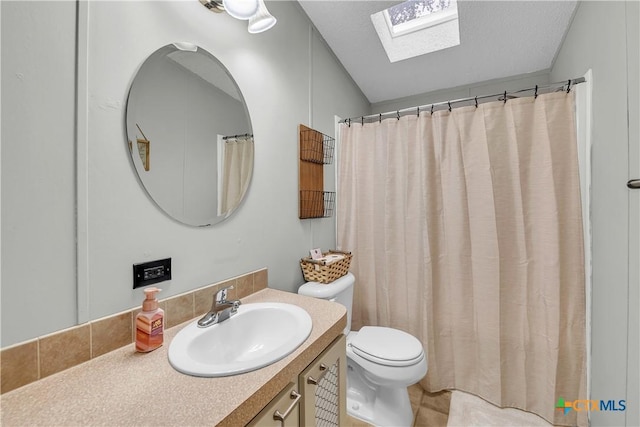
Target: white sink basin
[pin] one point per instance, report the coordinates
(258, 335)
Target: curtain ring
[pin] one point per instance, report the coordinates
(362, 120)
(418, 111)
(535, 95)
(476, 102)
(349, 122)
(505, 96)
(432, 109)
(398, 113)
(380, 118)
(569, 86)
(449, 103)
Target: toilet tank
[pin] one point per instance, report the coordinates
(340, 291)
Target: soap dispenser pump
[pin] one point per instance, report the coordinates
(149, 323)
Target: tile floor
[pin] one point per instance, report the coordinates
(429, 409)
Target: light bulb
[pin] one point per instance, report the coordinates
(241, 9)
(262, 20)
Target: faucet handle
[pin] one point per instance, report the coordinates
(236, 305)
(221, 295)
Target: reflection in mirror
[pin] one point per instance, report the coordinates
(189, 135)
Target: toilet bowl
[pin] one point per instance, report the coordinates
(381, 362)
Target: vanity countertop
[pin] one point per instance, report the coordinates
(124, 388)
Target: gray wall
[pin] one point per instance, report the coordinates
(484, 88)
(604, 37)
(287, 76)
(38, 168)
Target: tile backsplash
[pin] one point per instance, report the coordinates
(30, 361)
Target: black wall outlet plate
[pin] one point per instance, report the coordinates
(148, 273)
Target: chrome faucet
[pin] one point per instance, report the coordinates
(221, 309)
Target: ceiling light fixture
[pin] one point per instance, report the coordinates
(213, 5)
(255, 11)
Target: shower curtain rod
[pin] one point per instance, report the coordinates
(242, 135)
(504, 96)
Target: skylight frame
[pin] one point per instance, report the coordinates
(420, 23)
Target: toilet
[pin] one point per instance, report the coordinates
(381, 362)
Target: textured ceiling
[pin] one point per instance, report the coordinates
(497, 39)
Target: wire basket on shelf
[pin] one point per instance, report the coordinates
(316, 147)
(317, 204)
(325, 272)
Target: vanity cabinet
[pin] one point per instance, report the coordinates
(324, 386)
(283, 411)
(317, 397)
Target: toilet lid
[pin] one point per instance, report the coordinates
(387, 346)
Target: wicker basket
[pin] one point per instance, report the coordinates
(320, 271)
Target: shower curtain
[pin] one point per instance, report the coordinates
(466, 230)
(237, 167)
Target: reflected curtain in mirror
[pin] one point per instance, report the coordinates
(237, 168)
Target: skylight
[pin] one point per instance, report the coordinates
(415, 15)
(416, 9)
(417, 27)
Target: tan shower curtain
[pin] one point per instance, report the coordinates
(237, 167)
(466, 231)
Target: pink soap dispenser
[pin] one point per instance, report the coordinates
(149, 323)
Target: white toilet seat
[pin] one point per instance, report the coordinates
(389, 376)
(387, 346)
(385, 373)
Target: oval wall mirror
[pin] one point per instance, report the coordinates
(189, 135)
